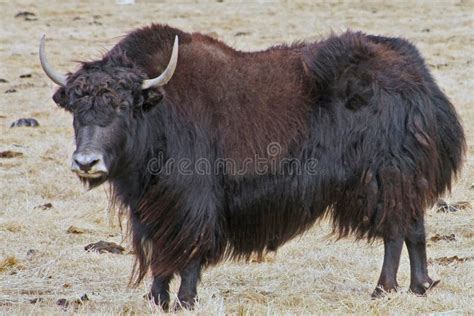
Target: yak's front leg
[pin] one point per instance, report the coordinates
(160, 291)
(190, 277)
(388, 277)
(420, 282)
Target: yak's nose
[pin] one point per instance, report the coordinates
(85, 161)
(88, 164)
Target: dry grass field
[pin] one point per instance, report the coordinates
(42, 259)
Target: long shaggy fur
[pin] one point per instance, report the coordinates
(387, 143)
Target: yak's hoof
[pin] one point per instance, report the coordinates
(184, 303)
(163, 302)
(421, 288)
(380, 291)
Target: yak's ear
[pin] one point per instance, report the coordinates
(151, 98)
(60, 98)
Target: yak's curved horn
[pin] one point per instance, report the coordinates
(163, 79)
(50, 72)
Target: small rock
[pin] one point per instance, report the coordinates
(10, 91)
(27, 122)
(10, 154)
(443, 206)
(3, 80)
(462, 205)
(241, 33)
(36, 300)
(444, 261)
(439, 237)
(22, 14)
(45, 206)
(63, 303)
(427, 30)
(26, 15)
(84, 297)
(105, 246)
(31, 252)
(25, 76)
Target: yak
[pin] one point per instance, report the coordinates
(220, 154)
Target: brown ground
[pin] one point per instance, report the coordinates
(312, 274)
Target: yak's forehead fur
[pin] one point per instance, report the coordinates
(99, 88)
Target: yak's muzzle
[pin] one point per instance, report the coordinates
(87, 164)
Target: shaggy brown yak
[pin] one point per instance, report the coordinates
(218, 153)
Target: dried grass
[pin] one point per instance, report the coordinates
(8, 263)
(310, 275)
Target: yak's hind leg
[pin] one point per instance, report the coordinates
(190, 277)
(420, 282)
(388, 277)
(160, 292)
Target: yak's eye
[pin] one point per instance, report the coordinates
(78, 93)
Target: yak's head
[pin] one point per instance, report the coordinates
(107, 99)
